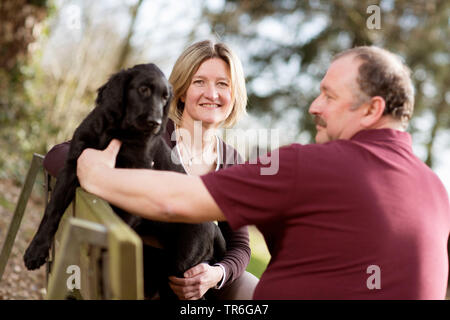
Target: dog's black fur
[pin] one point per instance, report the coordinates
(132, 107)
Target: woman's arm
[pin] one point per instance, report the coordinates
(238, 252)
(156, 195)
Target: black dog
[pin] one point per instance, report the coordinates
(132, 107)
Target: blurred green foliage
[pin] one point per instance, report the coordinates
(40, 105)
(20, 119)
(260, 255)
(298, 39)
(257, 265)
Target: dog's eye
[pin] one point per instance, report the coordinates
(145, 91)
(165, 96)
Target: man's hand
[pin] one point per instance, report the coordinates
(196, 281)
(92, 161)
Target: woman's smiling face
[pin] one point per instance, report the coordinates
(208, 97)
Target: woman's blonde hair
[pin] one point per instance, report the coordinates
(187, 65)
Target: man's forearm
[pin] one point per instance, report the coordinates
(126, 189)
(155, 195)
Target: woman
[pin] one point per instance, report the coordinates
(209, 92)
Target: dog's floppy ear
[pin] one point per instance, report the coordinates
(113, 94)
(169, 99)
(167, 106)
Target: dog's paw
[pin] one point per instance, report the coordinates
(35, 256)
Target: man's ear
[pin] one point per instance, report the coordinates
(373, 111)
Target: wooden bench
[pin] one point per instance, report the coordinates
(92, 243)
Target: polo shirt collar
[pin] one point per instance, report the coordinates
(384, 135)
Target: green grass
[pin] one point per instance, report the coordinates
(257, 266)
(260, 255)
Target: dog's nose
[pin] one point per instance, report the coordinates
(154, 121)
(155, 124)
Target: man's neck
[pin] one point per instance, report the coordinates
(388, 122)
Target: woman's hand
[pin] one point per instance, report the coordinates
(196, 281)
(92, 161)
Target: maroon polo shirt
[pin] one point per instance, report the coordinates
(350, 219)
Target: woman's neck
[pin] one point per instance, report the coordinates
(196, 135)
(197, 147)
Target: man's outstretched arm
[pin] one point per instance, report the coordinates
(156, 195)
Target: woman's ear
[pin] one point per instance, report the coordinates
(373, 111)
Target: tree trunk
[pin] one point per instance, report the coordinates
(125, 51)
(17, 19)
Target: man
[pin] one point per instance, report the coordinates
(355, 216)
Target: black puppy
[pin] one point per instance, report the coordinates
(132, 107)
